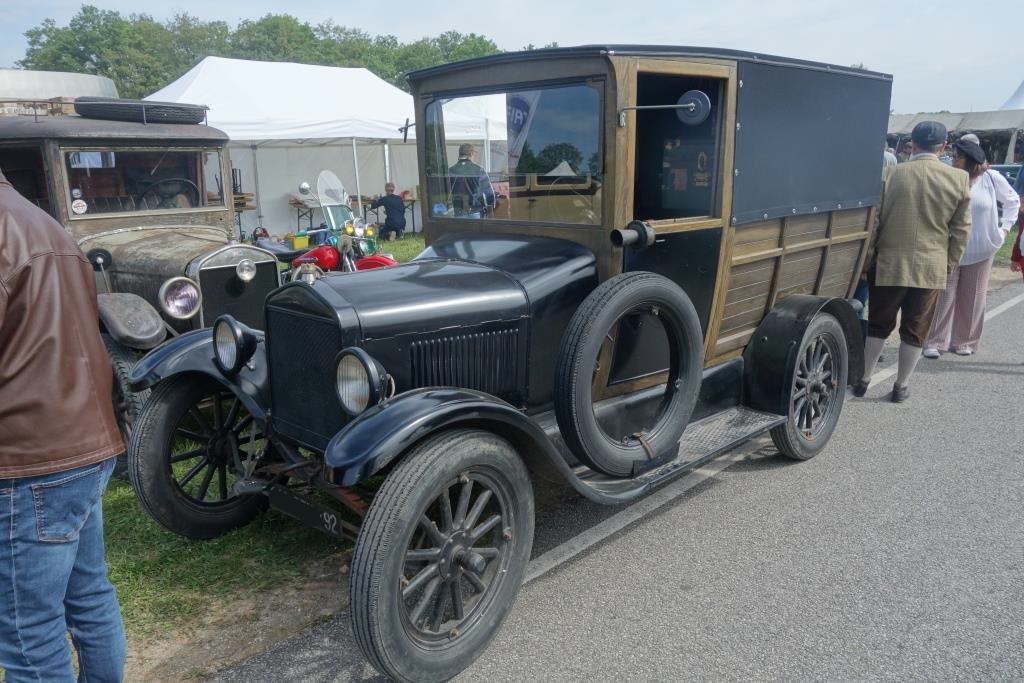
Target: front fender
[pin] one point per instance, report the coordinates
(770, 357)
(384, 432)
(193, 352)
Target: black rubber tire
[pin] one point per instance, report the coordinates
(128, 404)
(139, 111)
(577, 360)
(378, 561)
(149, 465)
(801, 443)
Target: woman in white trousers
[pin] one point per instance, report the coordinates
(960, 314)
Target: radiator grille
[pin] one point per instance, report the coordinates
(301, 350)
(223, 293)
(485, 361)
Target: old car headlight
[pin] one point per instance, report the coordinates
(246, 270)
(369, 231)
(349, 229)
(360, 380)
(233, 344)
(180, 298)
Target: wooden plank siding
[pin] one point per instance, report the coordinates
(809, 254)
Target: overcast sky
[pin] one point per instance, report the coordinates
(943, 55)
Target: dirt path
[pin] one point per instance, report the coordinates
(241, 626)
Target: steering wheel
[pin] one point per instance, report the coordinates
(174, 188)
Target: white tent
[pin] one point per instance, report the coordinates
(1016, 100)
(289, 121)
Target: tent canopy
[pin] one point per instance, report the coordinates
(266, 101)
(1016, 100)
(979, 121)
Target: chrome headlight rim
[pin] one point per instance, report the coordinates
(374, 377)
(246, 270)
(162, 294)
(242, 344)
(308, 273)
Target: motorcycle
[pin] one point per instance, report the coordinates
(348, 243)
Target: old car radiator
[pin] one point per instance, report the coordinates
(301, 350)
(223, 293)
(486, 361)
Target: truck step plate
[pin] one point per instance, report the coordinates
(701, 442)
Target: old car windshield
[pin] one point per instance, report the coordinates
(524, 155)
(111, 180)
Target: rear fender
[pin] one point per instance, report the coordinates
(384, 432)
(193, 353)
(771, 355)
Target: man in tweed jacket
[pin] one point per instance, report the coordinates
(923, 223)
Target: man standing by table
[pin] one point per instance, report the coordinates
(58, 443)
(923, 223)
(394, 213)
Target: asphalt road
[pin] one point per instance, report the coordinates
(896, 554)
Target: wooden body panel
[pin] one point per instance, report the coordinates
(810, 254)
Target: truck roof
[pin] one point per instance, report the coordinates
(641, 51)
(69, 127)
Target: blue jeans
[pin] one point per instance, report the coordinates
(53, 579)
(861, 295)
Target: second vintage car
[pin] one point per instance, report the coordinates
(148, 204)
(638, 269)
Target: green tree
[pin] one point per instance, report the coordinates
(275, 38)
(143, 55)
(557, 152)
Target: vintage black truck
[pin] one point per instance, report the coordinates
(140, 186)
(646, 263)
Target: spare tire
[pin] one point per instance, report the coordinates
(139, 111)
(576, 368)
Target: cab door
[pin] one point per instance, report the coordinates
(680, 166)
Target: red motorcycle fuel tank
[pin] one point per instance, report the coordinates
(324, 257)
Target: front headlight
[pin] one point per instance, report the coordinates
(360, 380)
(233, 344)
(246, 270)
(369, 231)
(180, 298)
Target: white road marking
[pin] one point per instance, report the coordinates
(890, 371)
(561, 554)
(619, 521)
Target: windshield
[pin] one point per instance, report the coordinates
(102, 181)
(523, 155)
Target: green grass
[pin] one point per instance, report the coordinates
(1003, 255)
(404, 249)
(164, 581)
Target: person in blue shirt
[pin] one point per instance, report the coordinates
(394, 213)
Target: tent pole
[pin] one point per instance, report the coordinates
(256, 187)
(487, 144)
(387, 162)
(355, 163)
(1012, 147)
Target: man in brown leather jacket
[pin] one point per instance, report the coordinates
(58, 442)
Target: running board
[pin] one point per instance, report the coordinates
(702, 441)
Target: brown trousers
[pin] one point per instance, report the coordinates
(916, 308)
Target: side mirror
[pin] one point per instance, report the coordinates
(304, 188)
(693, 107)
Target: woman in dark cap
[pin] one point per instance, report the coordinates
(961, 311)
